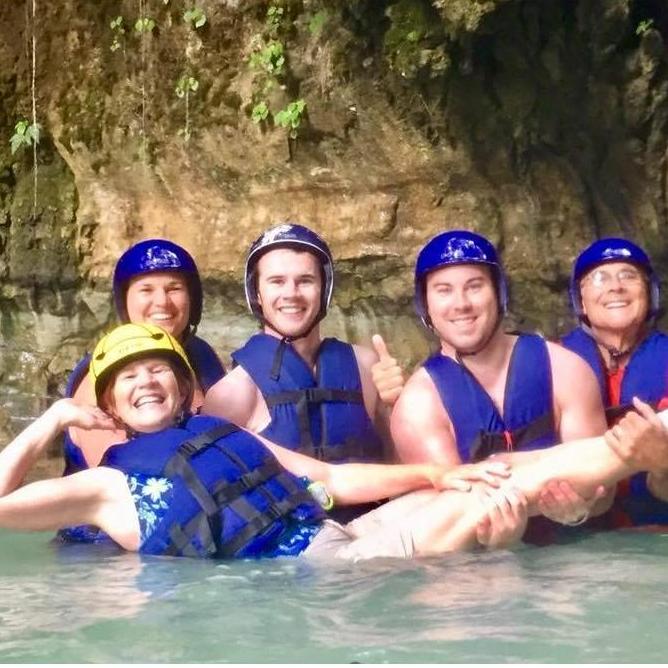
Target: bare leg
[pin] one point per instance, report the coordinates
(417, 524)
(448, 521)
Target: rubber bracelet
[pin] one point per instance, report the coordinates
(319, 492)
(579, 521)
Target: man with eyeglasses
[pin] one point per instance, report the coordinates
(614, 293)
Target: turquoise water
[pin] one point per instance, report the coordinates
(602, 599)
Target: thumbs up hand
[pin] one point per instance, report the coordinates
(386, 372)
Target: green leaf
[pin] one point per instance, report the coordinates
(16, 142)
(260, 112)
(317, 22)
(33, 132)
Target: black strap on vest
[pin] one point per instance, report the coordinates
(308, 396)
(352, 449)
(488, 443)
(258, 520)
(205, 525)
(203, 533)
(614, 413)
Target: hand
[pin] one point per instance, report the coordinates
(460, 477)
(506, 519)
(559, 502)
(71, 414)
(386, 373)
(640, 439)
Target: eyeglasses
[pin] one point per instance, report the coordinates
(601, 279)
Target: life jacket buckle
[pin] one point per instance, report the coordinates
(508, 438)
(188, 449)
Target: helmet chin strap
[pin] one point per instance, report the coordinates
(285, 340)
(616, 354)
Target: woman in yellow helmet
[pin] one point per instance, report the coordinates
(199, 486)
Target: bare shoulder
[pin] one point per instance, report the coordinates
(577, 397)
(234, 397)
(568, 368)
(84, 394)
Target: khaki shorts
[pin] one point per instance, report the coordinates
(338, 541)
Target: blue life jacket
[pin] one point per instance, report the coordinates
(230, 496)
(645, 376)
(204, 361)
(527, 422)
(322, 416)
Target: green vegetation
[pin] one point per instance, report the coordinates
(408, 42)
(644, 26)
(268, 60)
(194, 17)
(26, 134)
(144, 25)
(291, 117)
(260, 112)
(317, 22)
(117, 30)
(186, 84)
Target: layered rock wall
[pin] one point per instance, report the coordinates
(541, 124)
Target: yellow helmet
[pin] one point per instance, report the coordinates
(127, 343)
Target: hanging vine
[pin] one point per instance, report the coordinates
(144, 26)
(27, 133)
(194, 18)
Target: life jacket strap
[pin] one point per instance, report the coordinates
(206, 526)
(182, 539)
(489, 443)
(352, 449)
(314, 395)
(258, 520)
(614, 413)
(308, 396)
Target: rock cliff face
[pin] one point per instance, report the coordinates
(541, 124)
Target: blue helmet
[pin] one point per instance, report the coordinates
(156, 255)
(453, 248)
(612, 249)
(289, 235)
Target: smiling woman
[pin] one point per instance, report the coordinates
(155, 281)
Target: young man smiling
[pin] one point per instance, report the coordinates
(486, 390)
(289, 385)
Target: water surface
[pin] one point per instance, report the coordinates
(601, 599)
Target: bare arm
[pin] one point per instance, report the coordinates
(98, 496)
(421, 428)
(234, 397)
(377, 410)
(577, 397)
(388, 378)
(579, 411)
(17, 458)
(641, 439)
(359, 483)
